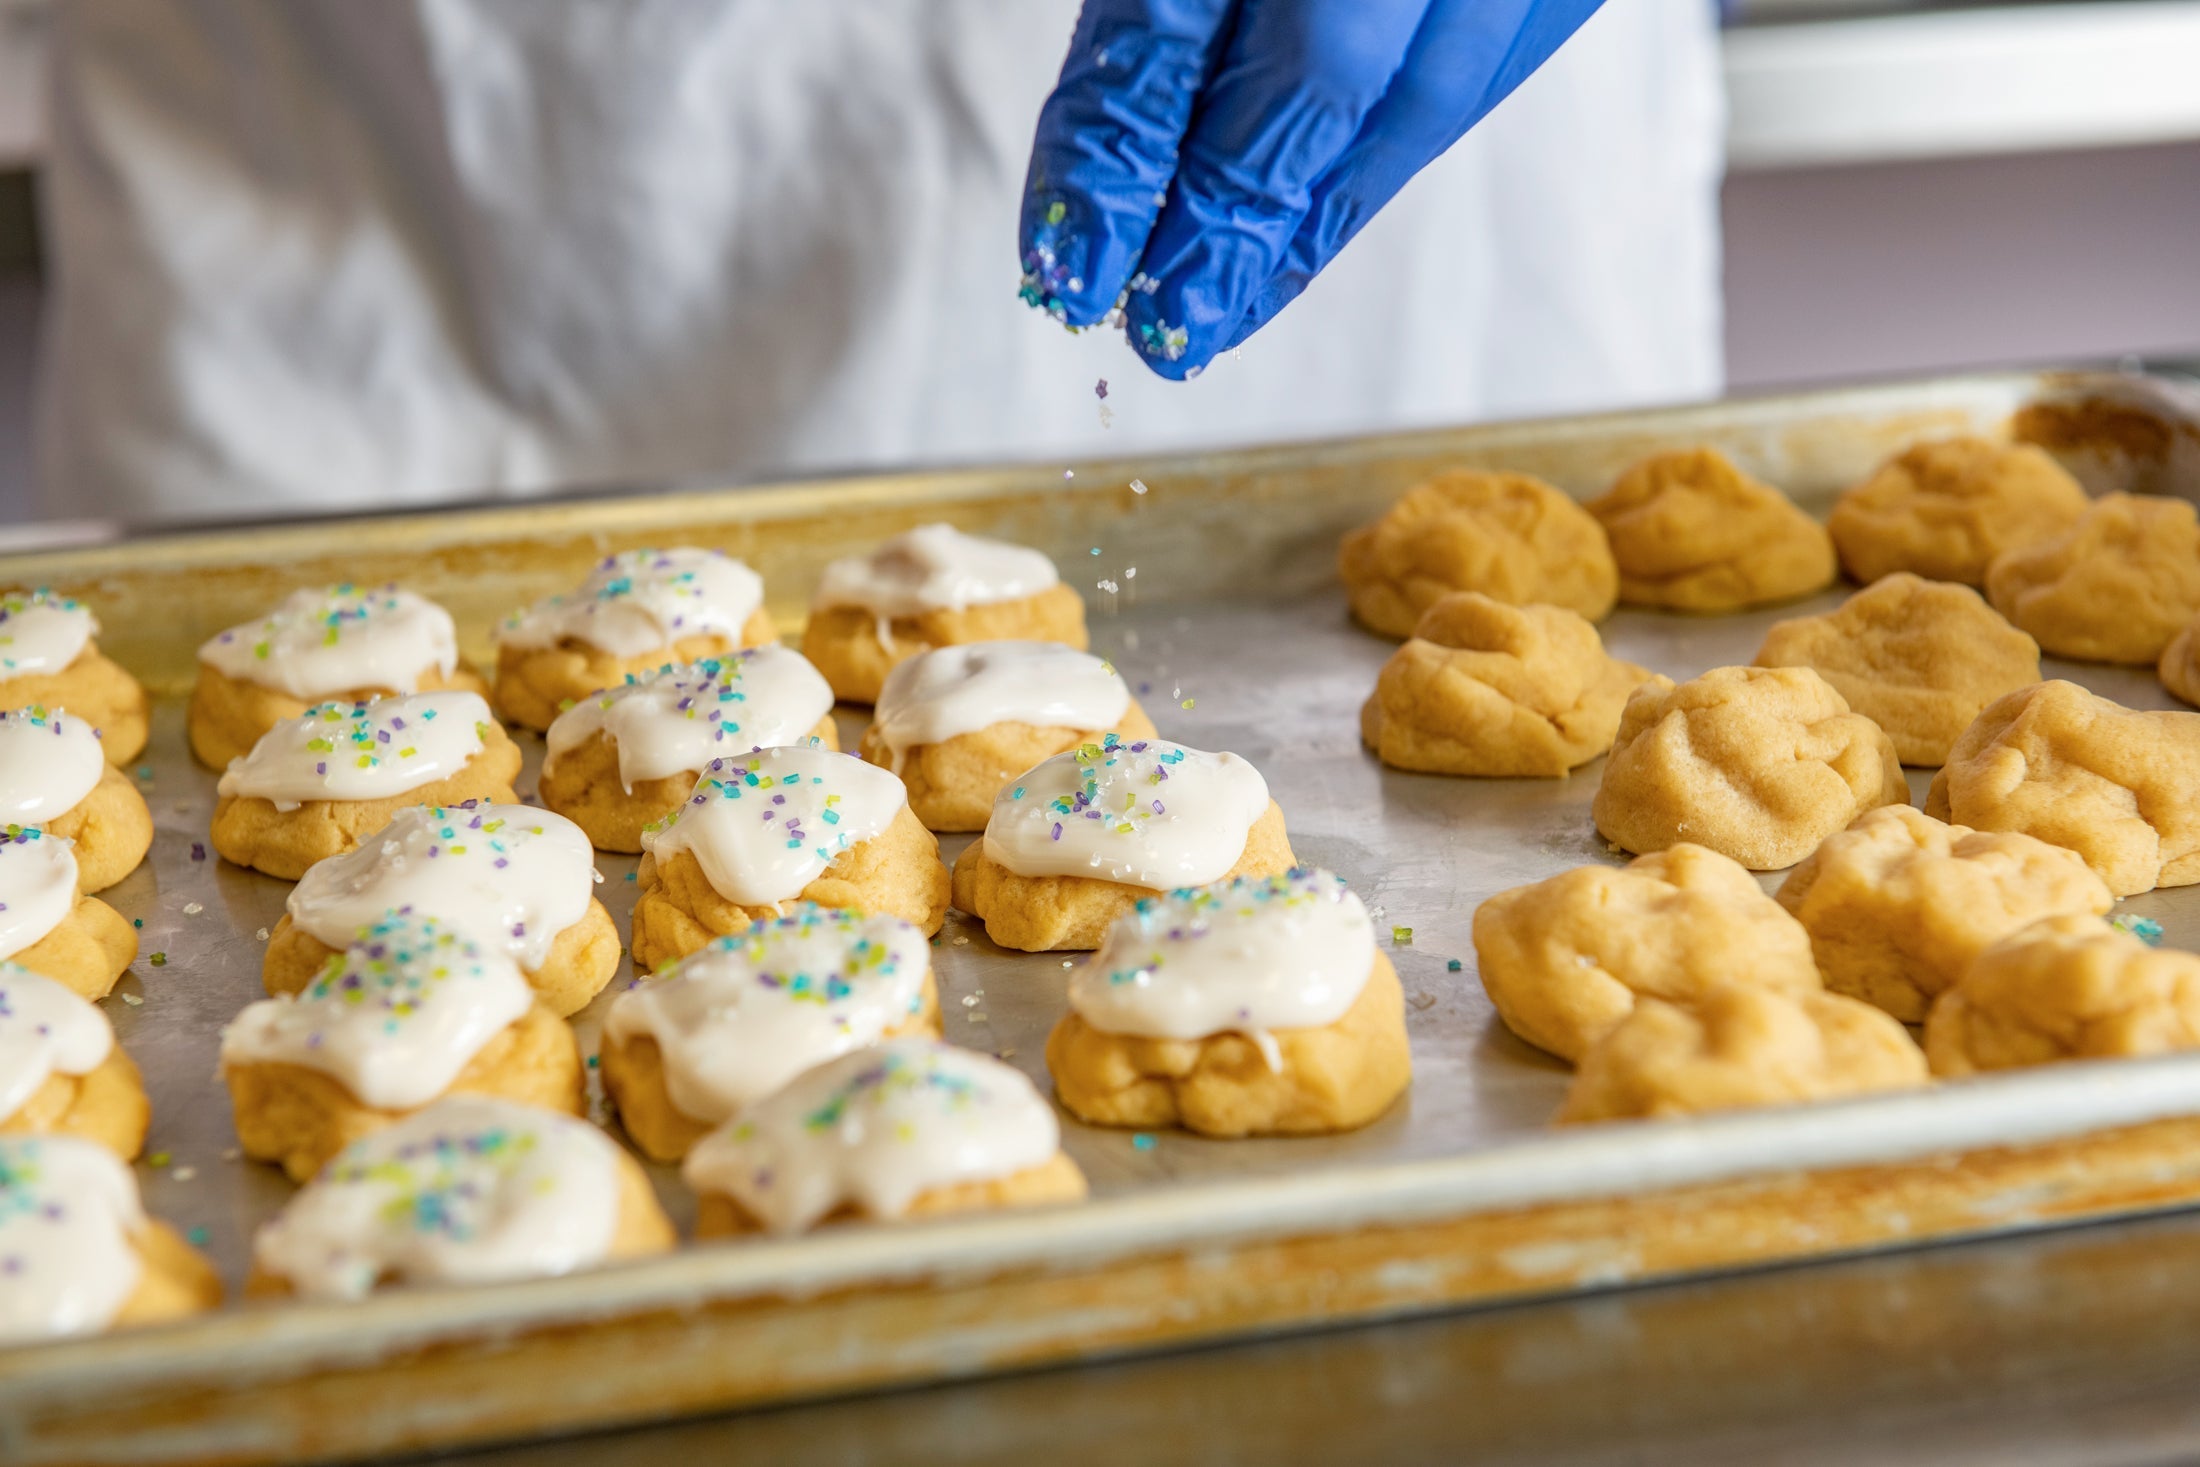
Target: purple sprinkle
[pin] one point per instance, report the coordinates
(321, 768)
(198, 851)
(1157, 808)
(1057, 830)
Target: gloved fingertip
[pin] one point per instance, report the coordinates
(1071, 268)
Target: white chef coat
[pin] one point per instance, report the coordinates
(325, 255)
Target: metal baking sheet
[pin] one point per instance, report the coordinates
(1211, 590)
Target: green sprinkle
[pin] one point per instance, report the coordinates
(1188, 702)
(1402, 936)
(158, 1158)
(138, 922)
(1057, 212)
(592, 1062)
(160, 960)
(1454, 965)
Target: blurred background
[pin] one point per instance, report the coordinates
(1911, 187)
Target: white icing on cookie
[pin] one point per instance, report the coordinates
(48, 763)
(394, 1018)
(328, 640)
(875, 1129)
(935, 568)
(41, 632)
(746, 1014)
(37, 887)
(68, 1212)
(509, 876)
(765, 825)
(363, 751)
(1146, 813)
(470, 1190)
(45, 1030)
(677, 719)
(937, 695)
(1246, 956)
(642, 601)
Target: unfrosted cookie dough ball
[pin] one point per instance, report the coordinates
(1485, 688)
(2067, 988)
(1945, 509)
(1919, 658)
(49, 660)
(53, 776)
(61, 1072)
(1565, 960)
(2120, 788)
(323, 644)
(471, 1190)
(1252, 1007)
(933, 586)
(637, 611)
(2179, 668)
(1758, 763)
(2116, 586)
(82, 1256)
(1899, 904)
(959, 724)
(1511, 537)
(1737, 1047)
(910, 1128)
(318, 783)
(1691, 532)
(49, 926)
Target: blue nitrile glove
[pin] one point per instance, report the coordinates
(1201, 160)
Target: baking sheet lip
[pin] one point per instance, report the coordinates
(2056, 1103)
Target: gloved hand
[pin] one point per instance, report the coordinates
(1201, 160)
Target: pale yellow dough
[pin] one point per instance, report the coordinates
(1760, 764)
(535, 684)
(227, 715)
(1511, 537)
(96, 690)
(1337, 1077)
(174, 1282)
(1919, 658)
(1741, 1046)
(1567, 959)
(106, 1106)
(582, 960)
(2120, 788)
(2068, 988)
(1899, 904)
(2117, 586)
(1945, 509)
(583, 786)
(91, 948)
(855, 648)
(2179, 668)
(952, 784)
(1485, 688)
(112, 828)
(1054, 1180)
(1691, 532)
(1036, 914)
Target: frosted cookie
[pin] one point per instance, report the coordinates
(620, 759)
(1919, 658)
(1899, 904)
(412, 1011)
(734, 1021)
(774, 828)
(1691, 532)
(49, 660)
(1567, 959)
(1740, 1046)
(1502, 691)
(1945, 509)
(511, 877)
(958, 724)
(1760, 764)
(80, 1254)
(1253, 1007)
(931, 587)
(49, 926)
(1080, 839)
(2117, 586)
(322, 644)
(472, 1190)
(61, 1072)
(907, 1129)
(54, 777)
(637, 611)
(319, 782)
(1513, 538)
(2054, 761)
(2068, 988)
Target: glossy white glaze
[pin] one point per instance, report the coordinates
(68, 1213)
(641, 601)
(677, 719)
(765, 825)
(935, 568)
(470, 1190)
(746, 1014)
(362, 751)
(45, 1030)
(49, 761)
(41, 632)
(510, 876)
(948, 691)
(1145, 813)
(37, 887)
(874, 1129)
(323, 641)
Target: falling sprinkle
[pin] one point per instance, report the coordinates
(1100, 389)
(1095, 550)
(1138, 486)
(1067, 475)
(1423, 1000)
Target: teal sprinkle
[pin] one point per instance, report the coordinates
(1141, 1142)
(592, 1062)
(630, 875)
(138, 922)
(2146, 929)
(196, 1237)
(1454, 965)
